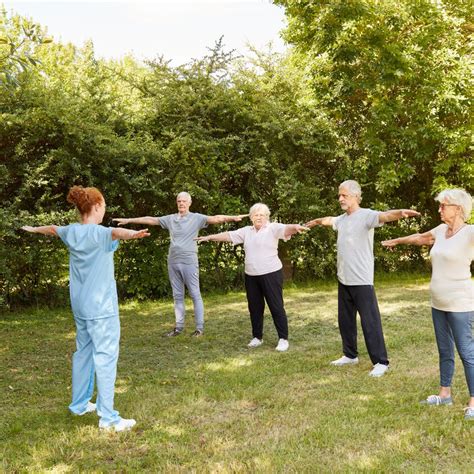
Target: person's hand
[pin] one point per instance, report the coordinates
(139, 234)
(410, 213)
(240, 217)
(301, 228)
(203, 238)
(314, 222)
(121, 220)
(390, 243)
(28, 228)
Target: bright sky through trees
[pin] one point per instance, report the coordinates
(178, 29)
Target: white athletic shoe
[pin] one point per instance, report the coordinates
(122, 425)
(255, 342)
(345, 361)
(90, 408)
(378, 370)
(282, 345)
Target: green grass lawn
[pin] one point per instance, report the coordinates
(212, 405)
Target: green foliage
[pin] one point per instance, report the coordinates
(375, 91)
(396, 80)
(19, 41)
(33, 269)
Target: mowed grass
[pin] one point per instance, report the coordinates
(212, 405)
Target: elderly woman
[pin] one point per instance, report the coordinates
(452, 290)
(94, 304)
(263, 270)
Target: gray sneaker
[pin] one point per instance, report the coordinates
(174, 332)
(435, 400)
(197, 333)
(469, 413)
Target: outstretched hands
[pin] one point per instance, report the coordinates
(299, 228)
(391, 243)
(139, 234)
(408, 213)
(240, 217)
(314, 222)
(42, 229)
(292, 229)
(121, 220)
(203, 238)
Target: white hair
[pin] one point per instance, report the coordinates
(353, 187)
(259, 207)
(460, 198)
(184, 194)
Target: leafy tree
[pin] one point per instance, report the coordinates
(378, 91)
(19, 41)
(395, 78)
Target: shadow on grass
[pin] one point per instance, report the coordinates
(213, 404)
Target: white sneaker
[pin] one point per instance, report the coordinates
(378, 370)
(282, 345)
(255, 342)
(122, 425)
(90, 408)
(345, 361)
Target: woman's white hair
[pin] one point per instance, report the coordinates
(259, 207)
(185, 195)
(353, 187)
(460, 198)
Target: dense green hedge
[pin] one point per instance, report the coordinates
(284, 130)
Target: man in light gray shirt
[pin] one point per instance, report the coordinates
(183, 264)
(355, 272)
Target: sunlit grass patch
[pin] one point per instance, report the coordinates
(213, 405)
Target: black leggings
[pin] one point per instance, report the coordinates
(269, 288)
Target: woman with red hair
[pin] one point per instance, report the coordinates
(94, 304)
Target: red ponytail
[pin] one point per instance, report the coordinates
(84, 198)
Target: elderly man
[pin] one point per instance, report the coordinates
(355, 272)
(183, 264)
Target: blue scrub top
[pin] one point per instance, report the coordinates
(91, 270)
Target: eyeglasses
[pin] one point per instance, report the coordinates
(442, 206)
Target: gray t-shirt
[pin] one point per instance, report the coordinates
(355, 246)
(183, 249)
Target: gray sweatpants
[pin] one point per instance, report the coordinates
(183, 275)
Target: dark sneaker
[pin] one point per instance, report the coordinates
(197, 333)
(174, 332)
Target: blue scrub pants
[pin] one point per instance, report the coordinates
(97, 350)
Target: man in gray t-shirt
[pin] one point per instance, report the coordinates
(355, 272)
(183, 264)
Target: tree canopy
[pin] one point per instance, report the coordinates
(380, 92)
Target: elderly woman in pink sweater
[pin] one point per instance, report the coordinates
(263, 270)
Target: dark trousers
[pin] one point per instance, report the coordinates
(269, 288)
(362, 299)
